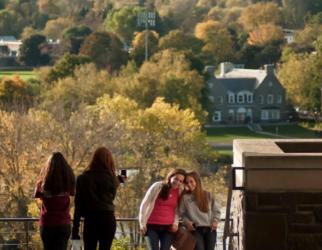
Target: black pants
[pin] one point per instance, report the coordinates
(55, 238)
(99, 228)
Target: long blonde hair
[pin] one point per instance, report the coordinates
(201, 196)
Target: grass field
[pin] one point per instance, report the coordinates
(25, 75)
(228, 134)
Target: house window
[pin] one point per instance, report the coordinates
(217, 116)
(270, 84)
(270, 114)
(261, 99)
(240, 98)
(249, 98)
(231, 97)
(210, 84)
(279, 99)
(270, 99)
(211, 98)
(231, 115)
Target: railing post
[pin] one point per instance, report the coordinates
(27, 235)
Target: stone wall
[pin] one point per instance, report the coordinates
(280, 206)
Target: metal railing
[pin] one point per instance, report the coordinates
(23, 234)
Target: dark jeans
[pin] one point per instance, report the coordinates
(158, 237)
(206, 239)
(99, 228)
(56, 237)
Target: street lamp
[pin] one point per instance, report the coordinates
(146, 19)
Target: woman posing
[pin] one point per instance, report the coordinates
(55, 185)
(158, 216)
(199, 212)
(95, 192)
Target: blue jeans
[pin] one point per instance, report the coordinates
(158, 237)
(56, 237)
(206, 239)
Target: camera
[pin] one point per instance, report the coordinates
(123, 173)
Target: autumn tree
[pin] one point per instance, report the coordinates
(260, 13)
(138, 45)
(54, 28)
(264, 34)
(218, 43)
(105, 50)
(296, 75)
(82, 86)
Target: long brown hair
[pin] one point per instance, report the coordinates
(57, 176)
(165, 190)
(102, 160)
(201, 196)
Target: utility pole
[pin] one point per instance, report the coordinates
(147, 19)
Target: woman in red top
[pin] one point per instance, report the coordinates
(55, 185)
(158, 215)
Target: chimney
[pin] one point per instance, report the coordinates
(225, 67)
(209, 70)
(269, 68)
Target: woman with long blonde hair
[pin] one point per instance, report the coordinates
(199, 212)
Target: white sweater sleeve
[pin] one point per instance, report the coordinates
(147, 203)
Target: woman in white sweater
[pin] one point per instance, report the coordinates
(158, 215)
(199, 212)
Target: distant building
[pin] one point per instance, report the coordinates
(241, 95)
(289, 35)
(9, 46)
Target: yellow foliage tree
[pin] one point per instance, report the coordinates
(264, 34)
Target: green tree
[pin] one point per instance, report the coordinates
(76, 36)
(31, 53)
(66, 66)
(123, 22)
(105, 50)
(8, 23)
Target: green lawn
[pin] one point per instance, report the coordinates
(25, 75)
(228, 134)
(295, 131)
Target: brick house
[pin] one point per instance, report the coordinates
(239, 95)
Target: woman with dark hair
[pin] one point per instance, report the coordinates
(95, 192)
(158, 215)
(55, 185)
(199, 212)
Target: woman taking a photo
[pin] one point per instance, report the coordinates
(95, 192)
(55, 186)
(199, 212)
(158, 216)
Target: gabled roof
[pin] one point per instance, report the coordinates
(238, 84)
(8, 38)
(237, 73)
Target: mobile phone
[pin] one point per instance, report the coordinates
(123, 172)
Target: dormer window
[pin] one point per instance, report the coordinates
(270, 84)
(240, 98)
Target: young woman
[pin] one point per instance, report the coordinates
(158, 216)
(199, 212)
(55, 186)
(95, 192)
